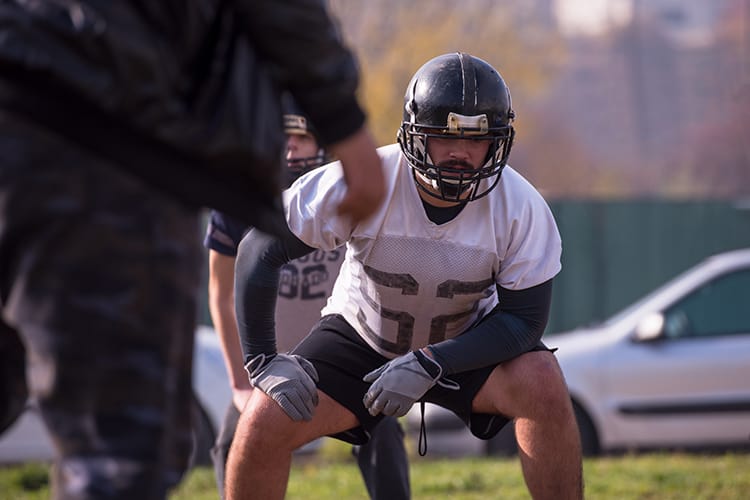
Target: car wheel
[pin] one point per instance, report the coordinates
(203, 436)
(589, 437)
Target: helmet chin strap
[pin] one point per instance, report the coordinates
(428, 180)
(431, 181)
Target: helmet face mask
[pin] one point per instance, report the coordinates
(302, 165)
(296, 123)
(456, 96)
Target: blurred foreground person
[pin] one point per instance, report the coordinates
(305, 285)
(443, 297)
(118, 121)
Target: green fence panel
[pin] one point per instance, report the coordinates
(614, 252)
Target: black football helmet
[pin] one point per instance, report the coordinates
(296, 122)
(457, 95)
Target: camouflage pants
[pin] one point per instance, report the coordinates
(99, 277)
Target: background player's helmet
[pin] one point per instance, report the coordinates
(457, 95)
(296, 122)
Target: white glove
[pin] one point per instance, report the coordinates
(402, 381)
(289, 379)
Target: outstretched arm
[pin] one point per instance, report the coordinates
(322, 74)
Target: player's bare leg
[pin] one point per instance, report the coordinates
(531, 389)
(261, 454)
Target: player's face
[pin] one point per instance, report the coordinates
(456, 154)
(463, 154)
(300, 146)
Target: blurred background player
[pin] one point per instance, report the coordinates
(303, 290)
(119, 121)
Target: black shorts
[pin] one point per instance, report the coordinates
(342, 358)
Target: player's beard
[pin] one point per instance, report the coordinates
(454, 187)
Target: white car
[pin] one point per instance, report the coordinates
(27, 439)
(672, 371)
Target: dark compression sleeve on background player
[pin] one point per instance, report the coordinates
(514, 327)
(260, 258)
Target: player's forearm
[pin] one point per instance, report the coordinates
(256, 286)
(259, 261)
(221, 308)
(363, 173)
(229, 339)
(513, 328)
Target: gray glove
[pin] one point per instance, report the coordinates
(289, 379)
(402, 381)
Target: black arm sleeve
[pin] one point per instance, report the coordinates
(514, 327)
(260, 258)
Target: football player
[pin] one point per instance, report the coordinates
(443, 297)
(304, 286)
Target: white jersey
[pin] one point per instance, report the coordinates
(304, 283)
(304, 287)
(407, 282)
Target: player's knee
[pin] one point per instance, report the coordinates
(539, 383)
(264, 425)
(257, 433)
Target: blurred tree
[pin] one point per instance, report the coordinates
(625, 114)
(393, 39)
(713, 159)
(559, 165)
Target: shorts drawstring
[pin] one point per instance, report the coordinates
(422, 446)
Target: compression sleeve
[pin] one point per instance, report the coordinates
(260, 258)
(514, 327)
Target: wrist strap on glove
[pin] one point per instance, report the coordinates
(435, 371)
(257, 363)
(431, 366)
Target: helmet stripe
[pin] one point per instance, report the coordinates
(468, 76)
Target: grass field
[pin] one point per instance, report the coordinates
(335, 476)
